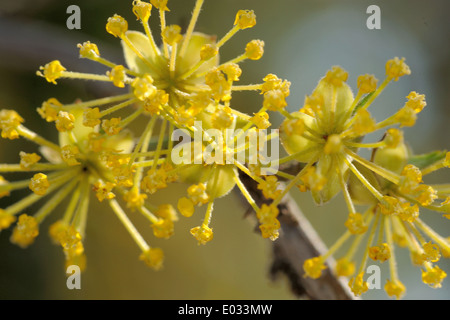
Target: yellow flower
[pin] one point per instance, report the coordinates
(358, 285)
(313, 267)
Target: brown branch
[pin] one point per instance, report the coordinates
(297, 242)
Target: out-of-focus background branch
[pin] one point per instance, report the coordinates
(303, 39)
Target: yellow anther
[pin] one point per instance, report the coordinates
(56, 230)
(9, 121)
(313, 180)
(160, 4)
(363, 122)
(358, 285)
(355, 223)
(394, 288)
(411, 177)
(431, 252)
(408, 212)
(6, 219)
(208, 51)
(28, 160)
(270, 188)
(3, 182)
(117, 26)
(155, 179)
(254, 50)
(394, 138)
(154, 104)
(390, 205)
(197, 193)
(185, 117)
(313, 267)
(406, 117)
(200, 101)
(52, 71)
(39, 184)
(69, 155)
(416, 101)
(172, 34)
(425, 195)
(380, 252)
(91, 117)
(134, 198)
(270, 229)
(26, 230)
(143, 87)
(333, 145)
(261, 120)
(271, 82)
(367, 83)
(219, 85)
(171, 176)
(396, 68)
(336, 76)
(222, 118)
(49, 109)
(344, 267)
(434, 277)
(118, 76)
(70, 240)
(167, 211)
(232, 70)
(245, 19)
(163, 228)
(153, 257)
(142, 10)
(203, 234)
(274, 100)
(111, 126)
(186, 207)
(123, 176)
(65, 121)
(267, 213)
(88, 50)
(104, 190)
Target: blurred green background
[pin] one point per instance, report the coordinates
(303, 40)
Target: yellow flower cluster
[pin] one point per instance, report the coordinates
(326, 134)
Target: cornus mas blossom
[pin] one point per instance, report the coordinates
(325, 134)
(177, 85)
(84, 160)
(183, 86)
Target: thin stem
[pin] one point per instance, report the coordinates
(389, 175)
(363, 180)
(190, 29)
(117, 107)
(129, 225)
(85, 76)
(30, 135)
(293, 182)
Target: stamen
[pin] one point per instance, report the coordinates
(363, 180)
(190, 29)
(293, 182)
(129, 225)
(117, 107)
(389, 175)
